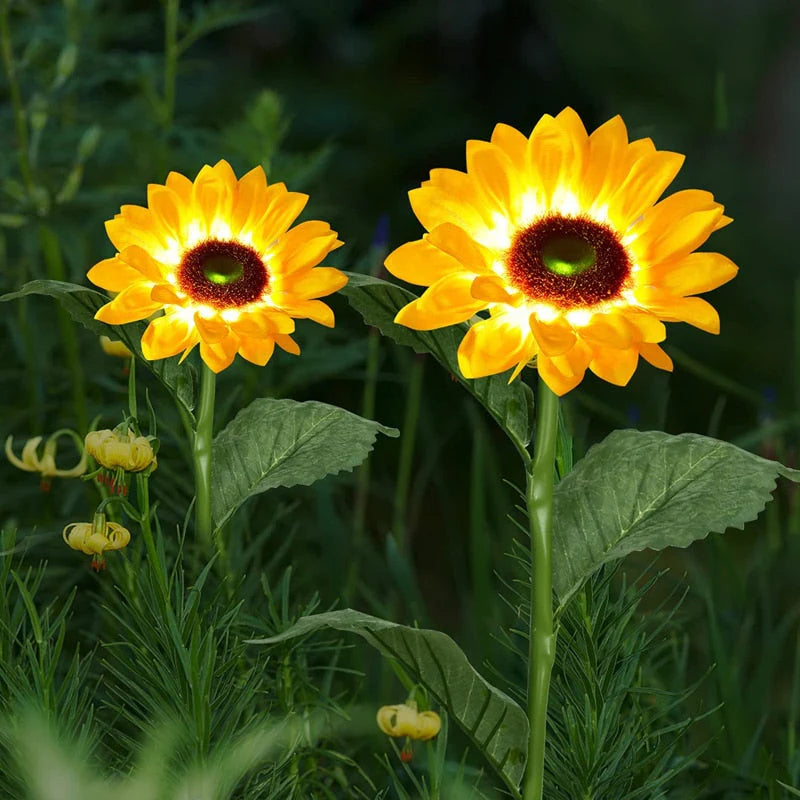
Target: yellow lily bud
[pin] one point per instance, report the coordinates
(405, 720)
(114, 450)
(114, 348)
(44, 464)
(96, 537)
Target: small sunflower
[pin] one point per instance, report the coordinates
(218, 257)
(560, 238)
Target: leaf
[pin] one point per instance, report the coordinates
(495, 724)
(285, 443)
(378, 302)
(649, 490)
(81, 303)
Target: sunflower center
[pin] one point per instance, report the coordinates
(568, 255)
(568, 262)
(223, 274)
(223, 269)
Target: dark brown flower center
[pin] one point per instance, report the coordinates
(569, 262)
(223, 274)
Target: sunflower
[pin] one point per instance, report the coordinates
(560, 238)
(218, 257)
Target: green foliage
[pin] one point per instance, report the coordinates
(495, 724)
(650, 490)
(615, 732)
(274, 443)
(82, 304)
(378, 302)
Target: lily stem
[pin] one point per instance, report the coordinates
(202, 457)
(542, 640)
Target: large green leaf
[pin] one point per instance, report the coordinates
(81, 303)
(274, 443)
(492, 720)
(378, 301)
(649, 490)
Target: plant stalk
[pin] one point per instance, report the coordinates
(202, 456)
(542, 640)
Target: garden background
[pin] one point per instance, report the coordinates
(353, 102)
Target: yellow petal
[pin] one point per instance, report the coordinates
(614, 366)
(512, 142)
(554, 157)
(166, 207)
(250, 200)
(453, 197)
(646, 181)
(30, 460)
(219, 355)
(131, 304)
(449, 300)
(257, 351)
(683, 236)
(165, 294)
(167, 336)
(694, 273)
(421, 263)
(263, 323)
(212, 198)
(317, 282)
(309, 254)
(554, 338)
(287, 343)
(558, 381)
(493, 289)
(144, 263)
(113, 274)
(280, 215)
(495, 174)
(650, 328)
(609, 330)
(456, 242)
(493, 346)
(606, 165)
(181, 185)
(656, 356)
(314, 310)
(212, 330)
(693, 310)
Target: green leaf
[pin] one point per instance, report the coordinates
(81, 303)
(495, 724)
(649, 490)
(378, 302)
(285, 443)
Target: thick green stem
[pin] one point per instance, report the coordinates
(542, 644)
(202, 456)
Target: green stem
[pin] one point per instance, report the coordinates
(171, 9)
(202, 457)
(153, 556)
(20, 122)
(54, 262)
(408, 438)
(542, 641)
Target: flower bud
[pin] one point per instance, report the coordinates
(114, 450)
(405, 720)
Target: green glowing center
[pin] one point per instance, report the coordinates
(568, 255)
(222, 269)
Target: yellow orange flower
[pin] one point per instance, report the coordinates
(218, 257)
(560, 238)
(120, 450)
(96, 537)
(45, 464)
(405, 720)
(115, 348)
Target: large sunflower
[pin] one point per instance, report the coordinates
(217, 256)
(559, 237)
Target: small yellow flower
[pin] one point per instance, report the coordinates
(114, 348)
(96, 537)
(405, 720)
(118, 450)
(45, 464)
